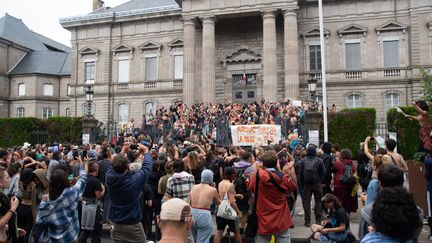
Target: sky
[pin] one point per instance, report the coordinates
(42, 16)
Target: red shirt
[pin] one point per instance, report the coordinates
(338, 169)
(272, 206)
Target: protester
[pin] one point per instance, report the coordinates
(124, 187)
(180, 183)
(344, 181)
(272, 209)
(423, 118)
(312, 174)
(175, 221)
(202, 196)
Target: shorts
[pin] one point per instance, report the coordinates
(221, 224)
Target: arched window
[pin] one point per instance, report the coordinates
(68, 112)
(47, 113)
(391, 100)
(21, 89)
(20, 112)
(150, 108)
(353, 101)
(123, 111)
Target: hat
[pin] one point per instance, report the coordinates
(187, 143)
(206, 176)
(91, 155)
(26, 144)
(176, 209)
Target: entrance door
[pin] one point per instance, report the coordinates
(244, 88)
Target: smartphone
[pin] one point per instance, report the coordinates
(75, 153)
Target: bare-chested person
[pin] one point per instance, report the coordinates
(202, 196)
(425, 123)
(227, 187)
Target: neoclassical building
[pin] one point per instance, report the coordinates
(147, 54)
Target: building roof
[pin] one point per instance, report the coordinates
(14, 30)
(52, 44)
(136, 5)
(43, 62)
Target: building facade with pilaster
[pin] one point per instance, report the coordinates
(144, 55)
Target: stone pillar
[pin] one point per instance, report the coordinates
(269, 56)
(291, 55)
(208, 60)
(189, 56)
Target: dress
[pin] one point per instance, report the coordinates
(342, 191)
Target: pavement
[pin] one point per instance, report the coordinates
(300, 233)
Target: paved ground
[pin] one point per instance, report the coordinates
(300, 233)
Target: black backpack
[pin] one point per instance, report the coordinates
(310, 172)
(240, 182)
(328, 161)
(348, 177)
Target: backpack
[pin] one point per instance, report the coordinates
(214, 167)
(310, 172)
(240, 182)
(328, 161)
(347, 177)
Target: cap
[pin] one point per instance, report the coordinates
(206, 176)
(176, 209)
(91, 155)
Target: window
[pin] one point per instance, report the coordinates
(353, 56)
(239, 79)
(151, 68)
(391, 53)
(123, 110)
(239, 95)
(251, 94)
(354, 101)
(68, 90)
(48, 89)
(314, 57)
(20, 112)
(90, 72)
(150, 108)
(391, 100)
(47, 113)
(68, 112)
(21, 89)
(178, 67)
(124, 70)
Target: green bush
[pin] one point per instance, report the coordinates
(16, 131)
(350, 127)
(64, 129)
(407, 131)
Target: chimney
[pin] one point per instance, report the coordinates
(97, 4)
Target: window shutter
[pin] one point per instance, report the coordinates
(391, 54)
(21, 89)
(178, 67)
(124, 70)
(48, 89)
(353, 56)
(151, 68)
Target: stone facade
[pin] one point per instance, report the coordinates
(268, 41)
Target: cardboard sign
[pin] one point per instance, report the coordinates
(314, 137)
(297, 103)
(85, 139)
(251, 135)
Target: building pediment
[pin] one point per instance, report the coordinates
(176, 43)
(123, 48)
(391, 26)
(315, 31)
(150, 45)
(243, 55)
(88, 51)
(352, 29)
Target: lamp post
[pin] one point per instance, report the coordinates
(312, 83)
(89, 92)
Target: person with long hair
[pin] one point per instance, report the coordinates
(336, 228)
(58, 215)
(8, 207)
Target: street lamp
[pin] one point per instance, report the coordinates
(89, 92)
(312, 83)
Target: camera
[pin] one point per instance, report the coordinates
(133, 146)
(146, 143)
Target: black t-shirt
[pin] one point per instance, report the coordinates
(337, 218)
(93, 185)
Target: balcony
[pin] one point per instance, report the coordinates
(391, 73)
(143, 86)
(353, 75)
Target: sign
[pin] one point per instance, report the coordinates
(393, 135)
(85, 138)
(251, 135)
(314, 137)
(296, 103)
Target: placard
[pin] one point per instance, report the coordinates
(314, 137)
(85, 138)
(252, 135)
(297, 103)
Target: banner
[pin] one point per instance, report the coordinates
(251, 135)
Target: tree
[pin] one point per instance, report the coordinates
(426, 84)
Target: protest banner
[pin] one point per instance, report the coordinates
(252, 135)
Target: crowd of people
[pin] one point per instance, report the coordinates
(183, 187)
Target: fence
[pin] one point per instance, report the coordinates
(38, 137)
(381, 130)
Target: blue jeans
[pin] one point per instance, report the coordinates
(282, 237)
(202, 228)
(334, 237)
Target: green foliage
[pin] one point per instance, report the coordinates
(407, 131)
(350, 127)
(17, 131)
(426, 84)
(64, 129)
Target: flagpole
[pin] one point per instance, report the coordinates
(323, 69)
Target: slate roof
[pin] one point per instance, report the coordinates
(43, 62)
(52, 44)
(14, 30)
(136, 5)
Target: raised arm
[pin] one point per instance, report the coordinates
(366, 149)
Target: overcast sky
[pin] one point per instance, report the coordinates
(42, 16)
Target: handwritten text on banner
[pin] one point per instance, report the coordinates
(251, 135)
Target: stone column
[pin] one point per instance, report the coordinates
(189, 56)
(291, 55)
(208, 60)
(269, 56)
